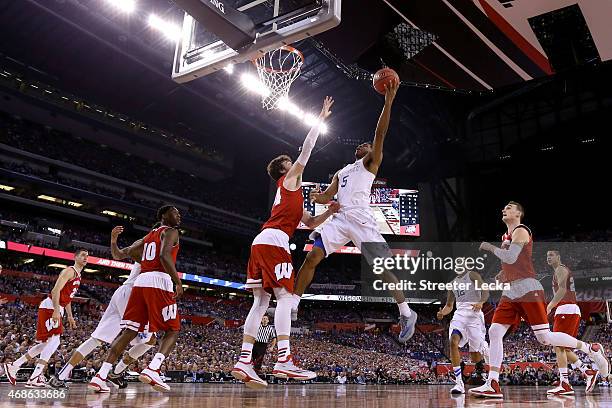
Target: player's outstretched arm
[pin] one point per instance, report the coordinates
(316, 196)
(170, 239)
(520, 237)
(448, 307)
(293, 179)
(64, 276)
(373, 159)
(561, 274)
(314, 222)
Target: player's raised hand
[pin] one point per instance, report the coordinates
(325, 110)
(391, 91)
(440, 315)
(72, 323)
(116, 232)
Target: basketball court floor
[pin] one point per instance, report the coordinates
(306, 396)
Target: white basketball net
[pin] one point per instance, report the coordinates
(277, 70)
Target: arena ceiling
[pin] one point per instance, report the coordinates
(88, 48)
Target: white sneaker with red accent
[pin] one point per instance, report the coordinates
(11, 373)
(591, 380)
(287, 369)
(245, 373)
(490, 389)
(598, 355)
(37, 382)
(563, 389)
(97, 384)
(152, 377)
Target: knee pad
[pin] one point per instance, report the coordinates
(88, 346)
(497, 331)
(261, 298)
(543, 337)
(282, 294)
(50, 346)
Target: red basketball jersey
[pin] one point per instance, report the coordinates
(152, 247)
(287, 210)
(570, 294)
(70, 289)
(523, 267)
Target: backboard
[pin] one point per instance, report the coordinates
(275, 23)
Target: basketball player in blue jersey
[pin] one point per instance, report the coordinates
(355, 220)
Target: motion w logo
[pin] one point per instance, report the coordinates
(169, 312)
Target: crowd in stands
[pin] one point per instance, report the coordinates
(207, 352)
(33, 137)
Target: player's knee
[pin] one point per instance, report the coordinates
(88, 346)
(282, 295)
(261, 299)
(543, 337)
(496, 332)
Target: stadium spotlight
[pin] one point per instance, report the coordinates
(171, 31)
(127, 6)
(255, 85)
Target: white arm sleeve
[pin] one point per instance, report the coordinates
(309, 144)
(509, 255)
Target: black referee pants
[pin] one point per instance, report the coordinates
(259, 351)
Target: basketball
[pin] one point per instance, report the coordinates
(383, 77)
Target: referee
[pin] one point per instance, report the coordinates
(265, 333)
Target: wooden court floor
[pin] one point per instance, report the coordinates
(302, 396)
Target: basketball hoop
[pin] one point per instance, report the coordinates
(277, 70)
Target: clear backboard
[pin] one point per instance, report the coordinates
(275, 23)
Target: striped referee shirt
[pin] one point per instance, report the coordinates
(265, 334)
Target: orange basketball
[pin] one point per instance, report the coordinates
(382, 77)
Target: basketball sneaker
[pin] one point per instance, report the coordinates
(563, 389)
(97, 384)
(489, 390)
(459, 388)
(37, 382)
(246, 373)
(56, 383)
(591, 380)
(152, 377)
(117, 380)
(597, 353)
(407, 325)
(11, 373)
(287, 369)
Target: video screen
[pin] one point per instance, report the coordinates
(395, 210)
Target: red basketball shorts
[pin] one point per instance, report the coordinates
(567, 323)
(530, 307)
(270, 267)
(46, 327)
(152, 301)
